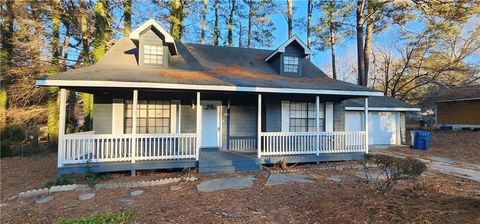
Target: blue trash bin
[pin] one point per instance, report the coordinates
(422, 140)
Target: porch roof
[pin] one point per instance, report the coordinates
(380, 103)
(202, 67)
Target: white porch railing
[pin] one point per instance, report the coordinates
(242, 143)
(126, 147)
(305, 143)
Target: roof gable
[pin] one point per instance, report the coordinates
(152, 24)
(282, 47)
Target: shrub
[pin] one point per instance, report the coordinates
(392, 169)
(61, 180)
(91, 177)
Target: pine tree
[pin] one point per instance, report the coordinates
(331, 28)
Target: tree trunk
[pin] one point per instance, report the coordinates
(204, 21)
(216, 31)
(102, 29)
(56, 10)
(5, 59)
(230, 23)
(66, 47)
(368, 42)
(309, 25)
(240, 31)
(176, 19)
(332, 47)
(85, 35)
(52, 117)
(250, 15)
(127, 17)
(359, 29)
(290, 19)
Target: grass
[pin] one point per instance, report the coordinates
(101, 218)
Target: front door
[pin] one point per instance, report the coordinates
(210, 124)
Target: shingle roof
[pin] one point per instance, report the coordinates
(203, 65)
(459, 93)
(378, 101)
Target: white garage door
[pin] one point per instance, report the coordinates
(383, 127)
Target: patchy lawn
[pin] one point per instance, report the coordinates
(457, 145)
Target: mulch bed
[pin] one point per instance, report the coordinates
(434, 198)
(431, 199)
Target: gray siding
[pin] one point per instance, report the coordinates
(188, 119)
(338, 116)
(102, 118)
(243, 121)
(273, 116)
(150, 38)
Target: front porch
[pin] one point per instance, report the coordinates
(243, 134)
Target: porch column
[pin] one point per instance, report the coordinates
(365, 112)
(61, 128)
(259, 125)
(134, 125)
(198, 128)
(317, 122)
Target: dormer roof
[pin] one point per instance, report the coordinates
(282, 47)
(151, 23)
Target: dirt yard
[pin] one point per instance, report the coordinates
(459, 145)
(433, 198)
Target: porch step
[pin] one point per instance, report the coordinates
(228, 169)
(217, 161)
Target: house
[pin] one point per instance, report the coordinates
(386, 119)
(162, 104)
(458, 108)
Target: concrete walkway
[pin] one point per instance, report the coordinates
(443, 165)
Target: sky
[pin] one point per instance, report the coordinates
(346, 49)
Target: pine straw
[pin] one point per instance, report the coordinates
(434, 199)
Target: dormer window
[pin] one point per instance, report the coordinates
(290, 64)
(289, 57)
(152, 54)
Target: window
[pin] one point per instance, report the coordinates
(152, 54)
(153, 116)
(290, 64)
(303, 117)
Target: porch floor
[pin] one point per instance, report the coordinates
(211, 162)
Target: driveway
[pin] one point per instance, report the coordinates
(439, 164)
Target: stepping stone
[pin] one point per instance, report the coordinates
(136, 193)
(239, 182)
(43, 199)
(336, 178)
(281, 178)
(86, 196)
(175, 187)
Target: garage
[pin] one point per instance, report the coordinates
(383, 127)
(386, 121)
